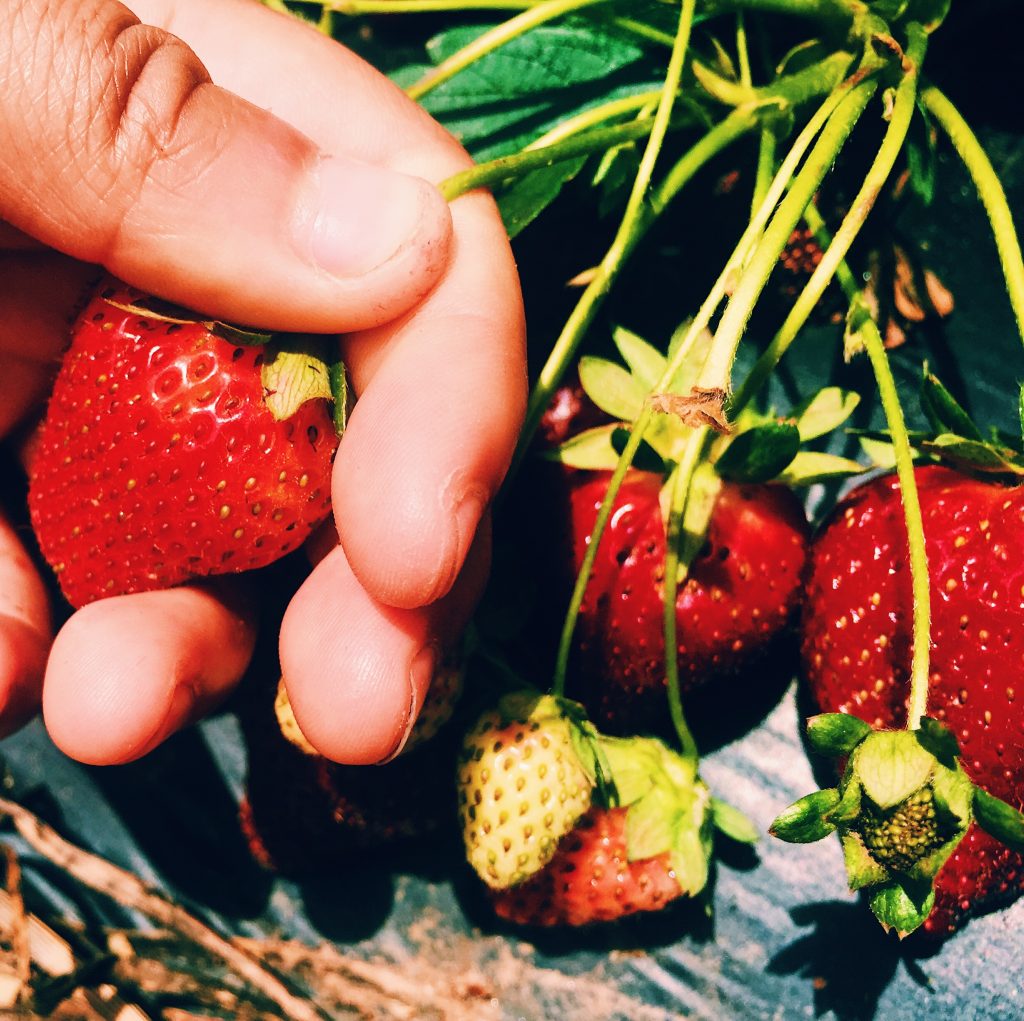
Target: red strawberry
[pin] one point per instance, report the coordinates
(172, 450)
(591, 879)
(857, 646)
(739, 597)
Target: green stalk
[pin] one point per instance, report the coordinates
(842, 13)
(743, 52)
(595, 115)
(878, 173)
(717, 369)
(765, 166)
(664, 194)
(353, 8)
(867, 328)
(682, 479)
(990, 190)
(492, 40)
(921, 592)
(718, 138)
(630, 229)
(507, 168)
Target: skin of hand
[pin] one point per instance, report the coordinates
(233, 160)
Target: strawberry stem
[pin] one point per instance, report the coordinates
(836, 251)
(585, 143)
(681, 482)
(867, 328)
(788, 92)
(492, 40)
(630, 230)
(990, 191)
(717, 369)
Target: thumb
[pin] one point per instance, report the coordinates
(116, 148)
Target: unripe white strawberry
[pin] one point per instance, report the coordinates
(526, 775)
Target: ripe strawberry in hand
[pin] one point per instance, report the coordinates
(175, 449)
(857, 638)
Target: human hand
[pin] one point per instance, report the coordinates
(277, 197)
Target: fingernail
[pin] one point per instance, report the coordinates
(467, 519)
(421, 672)
(354, 216)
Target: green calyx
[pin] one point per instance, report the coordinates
(754, 448)
(670, 810)
(902, 806)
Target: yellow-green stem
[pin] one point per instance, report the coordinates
(630, 228)
(681, 481)
(596, 115)
(507, 168)
(717, 369)
(862, 204)
(990, 190)
(492, 40)
(353, 8)
(917, 706)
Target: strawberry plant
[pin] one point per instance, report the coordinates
(683, 475)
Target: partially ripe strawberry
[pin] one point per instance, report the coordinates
(438, 708)
(857, 635)
(175, 449)
(637, 851)
(591, 879)
(304, 814)
(525, 777)
(740, 596)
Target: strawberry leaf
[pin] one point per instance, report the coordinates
(902, 905)
(645, 361)
(810, 467)
(861, 869)
(804, 821)
(240, 335)
(999, 819)
(891, 765)
(826, 410)
(943, 411)
(341, 395)
(612, 388)
(730, 821)
(836, 733)
(693, 361)
(634, 765)
(939, 740)
(700, 505)
(295, 374)
(522, 201)
(691, 854)
(954, 796)
(847, 809)
(759, 454)
(590, 450)
(974, 454)
(650, 824)
(646, 458)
